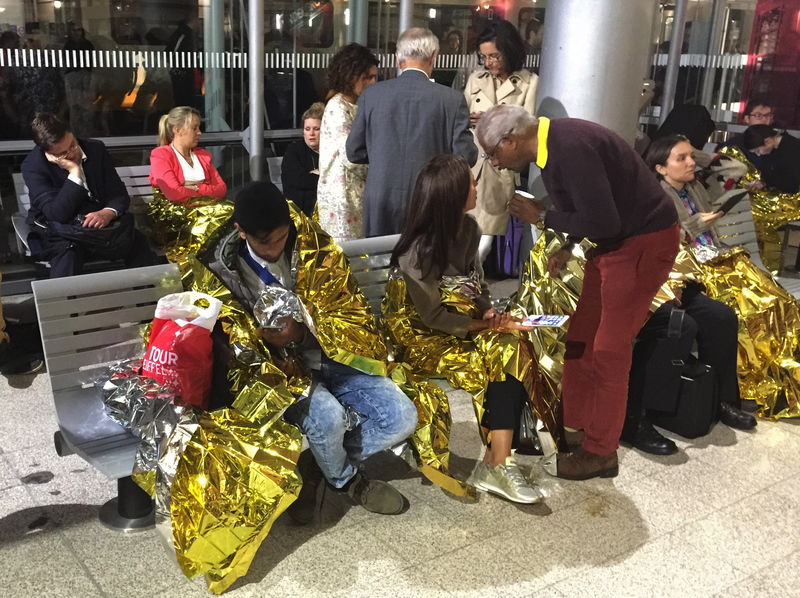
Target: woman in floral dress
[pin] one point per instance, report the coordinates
(341, 183)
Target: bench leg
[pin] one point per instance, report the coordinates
(132, 509)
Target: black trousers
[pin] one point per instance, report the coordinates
(712, 324)
(67, 257)
(503, 406)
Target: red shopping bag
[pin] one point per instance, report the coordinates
(179, 353)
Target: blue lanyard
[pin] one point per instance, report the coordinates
(265, 275)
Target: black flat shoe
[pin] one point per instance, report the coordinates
(736, 418)
(643, 436)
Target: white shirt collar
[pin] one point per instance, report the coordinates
(413, 68)
(260, 261)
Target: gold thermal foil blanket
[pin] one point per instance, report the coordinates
(769, 320)
(469, 363)
(349, 333)
(771, 210)
(234, 474)
(183, 228)
(768, 367)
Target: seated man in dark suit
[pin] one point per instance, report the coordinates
(78, 202)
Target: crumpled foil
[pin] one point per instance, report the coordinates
(769, 320)
(236, 471)
(182, 229)
(768, 367)
(150, 411)
(471, 363)
(771, 210)
(276, 303)
(349, 333)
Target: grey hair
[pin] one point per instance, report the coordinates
(502, 120)
(418, 43)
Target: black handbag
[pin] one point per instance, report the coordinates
(696, 410)
(663, 367)
(114, 241)
(527, 438)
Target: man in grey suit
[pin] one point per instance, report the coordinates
(402, 123)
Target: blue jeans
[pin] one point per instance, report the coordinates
(349, 416)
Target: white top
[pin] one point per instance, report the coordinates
(192, 173)
(80, 179)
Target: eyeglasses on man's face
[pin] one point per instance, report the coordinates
(761, 115)
(490, 154)
(70, 150)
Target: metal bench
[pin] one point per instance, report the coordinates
(369, 262)
(136, 181)
(86, 323)
(737, 228)
(274, 166)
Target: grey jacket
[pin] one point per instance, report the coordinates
(401, 124)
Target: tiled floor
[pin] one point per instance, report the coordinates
(720, 518)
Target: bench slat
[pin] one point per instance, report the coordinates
(60, 327)
(126, 298)
(74, 342)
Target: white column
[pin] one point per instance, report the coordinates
(594, 59)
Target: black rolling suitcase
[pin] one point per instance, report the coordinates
(696, 408)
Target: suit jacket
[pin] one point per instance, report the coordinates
(166, 174)
(401, 124)
(55, 198)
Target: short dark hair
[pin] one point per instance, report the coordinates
(753, 103)
(755, 136)
(48, 129)
(347, 65)
(508, 41)
(658, 152)
(260, 208)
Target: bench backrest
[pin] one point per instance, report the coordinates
(274, 166)
(737, 228)
(88, 322)
(135, 178)
(369, 262)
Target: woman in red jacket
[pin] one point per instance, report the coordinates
(178, 168)
(188, 203)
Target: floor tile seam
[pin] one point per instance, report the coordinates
(79, 559)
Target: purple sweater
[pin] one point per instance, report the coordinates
(600, 188)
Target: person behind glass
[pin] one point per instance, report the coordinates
(715, 325)
(180, 169)
(783, 171)
(75, 192)
(440, 239)
(341, 183)
(502, 81)
(300, 165)
(758, 111)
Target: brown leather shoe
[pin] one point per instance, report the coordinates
(583, 465)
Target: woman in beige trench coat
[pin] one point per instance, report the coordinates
(502, 81)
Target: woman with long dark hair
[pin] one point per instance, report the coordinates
(442, 322)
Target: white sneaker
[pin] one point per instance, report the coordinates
(505, 480)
